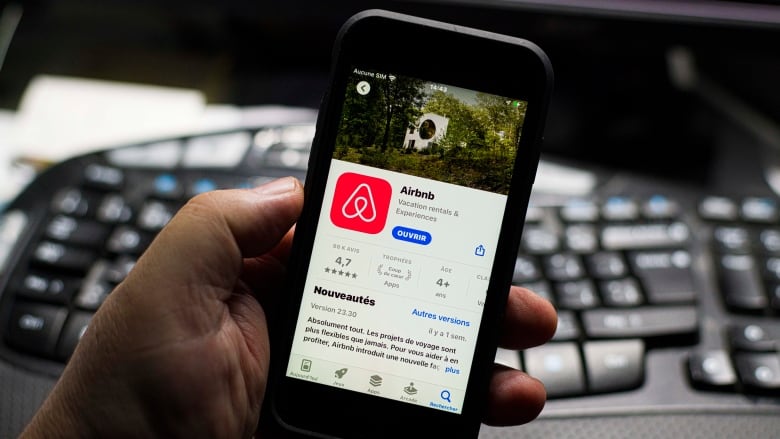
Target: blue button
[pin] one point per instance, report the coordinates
(411, 235)
(203, 185)
(165, 183)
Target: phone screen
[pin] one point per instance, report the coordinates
(406, 239)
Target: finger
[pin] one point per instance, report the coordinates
(282, 250)
(530, 320)
(264, 274)
(206, 242)
(515, 397)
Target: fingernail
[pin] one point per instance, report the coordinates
(278, 187)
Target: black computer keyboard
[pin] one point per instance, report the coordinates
(620, 272)
(77, 231)
(666, 304)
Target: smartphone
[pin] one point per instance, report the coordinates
(425, 152)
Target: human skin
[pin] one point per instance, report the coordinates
(180, 348)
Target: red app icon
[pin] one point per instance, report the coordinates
(360, 203)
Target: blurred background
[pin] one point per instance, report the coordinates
(615, 103)
(664, 119)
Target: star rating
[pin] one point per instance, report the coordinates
(348, 274)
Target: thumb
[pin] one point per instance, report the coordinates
(205, 243)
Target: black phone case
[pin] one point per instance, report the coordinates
(346, 46)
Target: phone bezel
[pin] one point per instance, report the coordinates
(363, 43)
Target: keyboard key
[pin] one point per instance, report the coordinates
(644, 236)
(155, 215)
(770, 241)
(644, 322)
(200, 186)
(61, 256)
(558, 366)
(167, 186)
(619, 208)
(542, 289)
(104, 177)
(74, 329)
(581, 238)
(35, 327)
(128, 240)
(508, 358)
(579, 210)
(526, 270)
(606, 265)
(740, 283)
(621, 292)
(217, 150)
(660, 207)
(48, 287)
(563, 266)
(95, 288)
(711, 369)
(732, 239)
(774, 299)
(772, 269)
(754, 337)
(79, 232)
(759, 371)
(118, 271)
(718, 209)
(759, 209)
(539, 241)
(534, 214)
(665, 275)
(12, 227)
(74, 202)
(164, 154)
(114, 209)
(287, 156)
(614, 365)
(579, 294)
(568, 327)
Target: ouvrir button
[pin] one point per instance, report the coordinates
(411, 235)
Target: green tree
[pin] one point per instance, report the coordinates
(403, 101)
(361, 119)
(465, 129)
(506, 122)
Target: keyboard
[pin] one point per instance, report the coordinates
(621, 274)
(78, 229)
(668, 297)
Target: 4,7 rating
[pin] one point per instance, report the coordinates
(340, 272)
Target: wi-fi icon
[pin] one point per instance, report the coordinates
(392, 77)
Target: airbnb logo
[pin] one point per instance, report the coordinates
(360, 203)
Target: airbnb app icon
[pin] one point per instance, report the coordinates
(360, 203)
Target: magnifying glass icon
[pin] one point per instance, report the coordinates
(445, 395)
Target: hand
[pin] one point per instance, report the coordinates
(180, 348)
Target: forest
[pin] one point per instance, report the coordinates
(477, 150)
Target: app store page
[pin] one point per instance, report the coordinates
(396, 282)
(401, 263)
